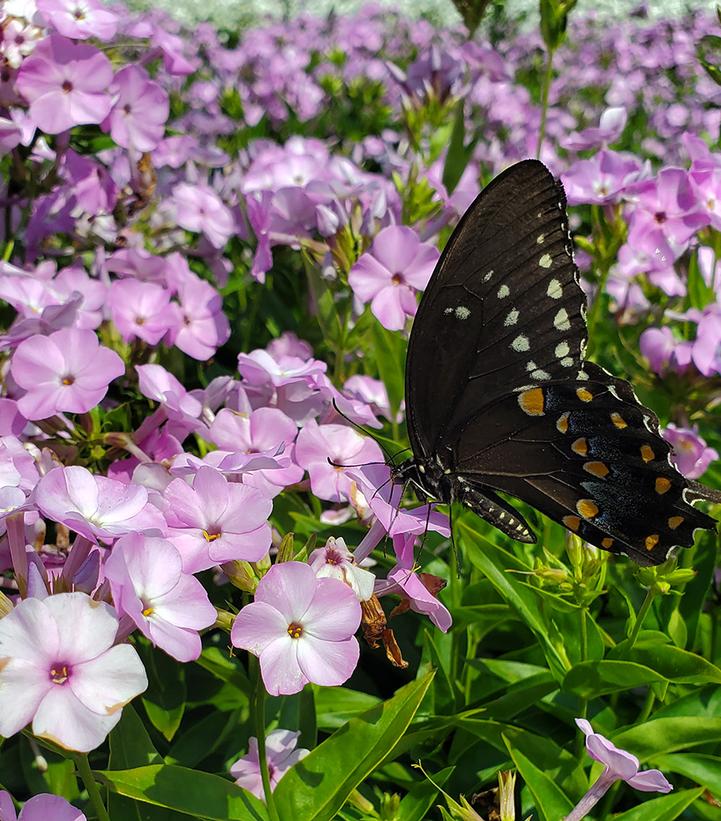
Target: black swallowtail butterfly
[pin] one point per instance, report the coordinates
(500, 397)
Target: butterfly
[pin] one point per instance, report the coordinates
(501, 399)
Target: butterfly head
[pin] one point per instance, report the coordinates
(426, 476)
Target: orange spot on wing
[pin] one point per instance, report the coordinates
(587, 508)
(532, 401)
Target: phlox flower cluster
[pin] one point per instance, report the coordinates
(162, 433)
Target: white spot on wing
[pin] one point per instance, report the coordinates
(520, 343)
(540, 374)
(540, 239)
(555, 291)
(561, 321)
(486, 277)
(545, 261)
(511, 319)
(562, 349)
(582, 375)
(503, 291)
(462, 312)
(531, 365)
(567, 362)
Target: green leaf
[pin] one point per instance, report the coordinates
(522, 695)
(419, 800)
(666, 735)
(671, 662)
(458, 152)
(203, 738)
(337, 705)
(192, 792)
(551, 803)
(164, 700)
(498, 566)
(596, 678)
(708, 52)
(390, 354)
(665, 808)
(130, 744)
(703, 769)
(318, 786)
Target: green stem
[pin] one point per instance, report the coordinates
(641, 617)
(547, 78)
(83, 767)
(583, 702)
(259, 709)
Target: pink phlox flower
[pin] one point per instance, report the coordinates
(142, 310)
(663, 351)
(140, 110)
(66, 371)
(79, 19)
(60, 670)
(339, 404)
(92, 188)
(373, 392)
(668, 203)
(202, 326)
(19, 38)
(234, 465)
(415, 592)
(317, 444)
(301, 628)
(40, 808)
(95, 506)
(619, 765)
(610, 127)
(601, 179)
(157, 383)
(168, 606)
(66, 84)
(389, 274)
(74, 280)
(259, 367)
(288, 344)
(265, 431)
(690, 454)
(214, 521)
(198, 208)
(172, 48)
(12, 422)
(335, 561)
(138, 263)
(281, 754)
(706, 352)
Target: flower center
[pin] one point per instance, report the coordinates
(69, 379)
(397, 279)
(212, 535)
(295, 630)
(148, 611)
(67, 86)
(333, 557)
(660, 217)
(140, 320)
(60, 672)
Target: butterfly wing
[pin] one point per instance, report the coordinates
(503, 307)
(499, 394)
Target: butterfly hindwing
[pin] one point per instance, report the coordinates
(589, 459)
(500, 398)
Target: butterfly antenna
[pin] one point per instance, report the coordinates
(388, 456)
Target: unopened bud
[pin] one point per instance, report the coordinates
(506, 787)
(241, 575)
(6, 605)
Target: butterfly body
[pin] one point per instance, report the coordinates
(500, 397)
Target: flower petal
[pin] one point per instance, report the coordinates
(258, 625)
(62, 718)
(328, 663)
(108, 682)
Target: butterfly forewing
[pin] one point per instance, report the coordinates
(503, 308)
(500, 398)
